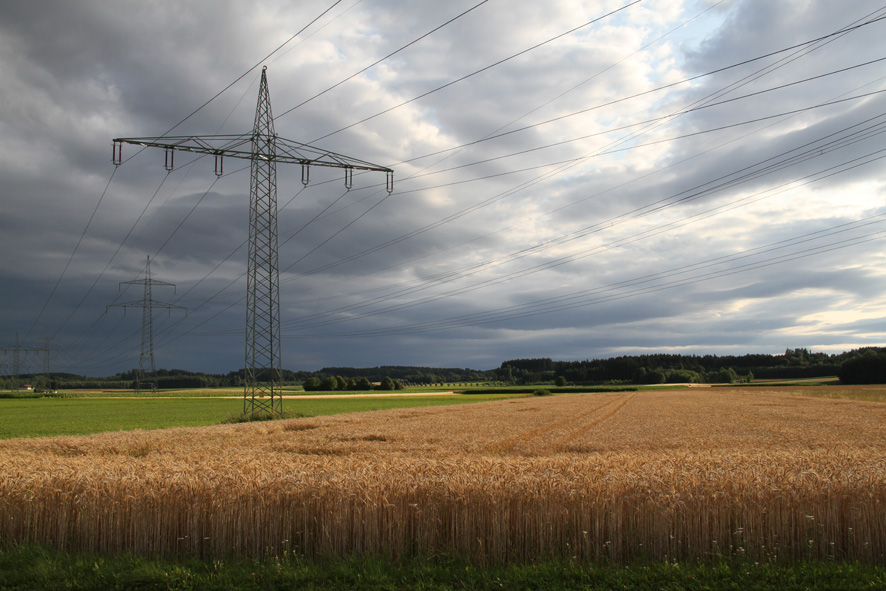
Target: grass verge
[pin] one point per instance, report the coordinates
(34, 568)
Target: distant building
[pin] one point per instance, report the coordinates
(26, 387)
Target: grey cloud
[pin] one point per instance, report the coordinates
(83, 73)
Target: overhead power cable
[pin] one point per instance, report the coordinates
(613, 292)
(246, 73)
(304, 324)
(327, 208)
(633, 146)
(630, 97)
(375, 63)
(812, 150)
(844, 30)
(73, 253)
(485, 203)
(637, 95)
(108, 264)
(791, 157)
(573, 162)
(278, 48)
(201, 323)
(481, 70)
(721, 69)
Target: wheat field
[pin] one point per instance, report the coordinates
(614, 476)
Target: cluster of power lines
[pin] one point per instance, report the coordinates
(106, 348)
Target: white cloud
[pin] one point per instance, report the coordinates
(433, 272)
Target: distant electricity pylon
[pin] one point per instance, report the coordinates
(17, 349)
(146, 366)
(264, 149)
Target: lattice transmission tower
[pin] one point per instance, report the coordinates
(264, 149)
(146, 367)
(15, 366)
(16, 350)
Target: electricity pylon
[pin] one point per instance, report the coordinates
(17, 349)
(15, 362)
(264, 149)
(146, 366)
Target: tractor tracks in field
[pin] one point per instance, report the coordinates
(551, 436)
(610, 411)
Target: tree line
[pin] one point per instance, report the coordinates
(859, 366)
(675, 368)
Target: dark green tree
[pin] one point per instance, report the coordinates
(867, 368)
(329, 384)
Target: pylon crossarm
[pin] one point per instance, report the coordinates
(150, 303)
(292, 152)
(240, 146)
(142, 282)
(229, 145)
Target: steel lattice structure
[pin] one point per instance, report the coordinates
(17, 349)
(146, 367)
(264, 149)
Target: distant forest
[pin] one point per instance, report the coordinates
(866, 365)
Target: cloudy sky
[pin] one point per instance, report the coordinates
(574, 179)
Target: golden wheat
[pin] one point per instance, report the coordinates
(618, 476)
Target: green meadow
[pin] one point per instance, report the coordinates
(43, 417)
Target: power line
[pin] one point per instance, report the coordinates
(378, 203)
(244, 74)
(278, 48)
(540, 267)
(481, 70)
(324, 210)
(812, 142)
(639, 94)
(609, 292)
(792, 157)
(811, 151)
(787, 161)
(572, 162)
(375, 63)
(485, 203)
(71, 258)
(632, 147)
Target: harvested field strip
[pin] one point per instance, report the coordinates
(685, 474)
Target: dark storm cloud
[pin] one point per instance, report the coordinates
(426, 272)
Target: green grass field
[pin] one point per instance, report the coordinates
(40, 417)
